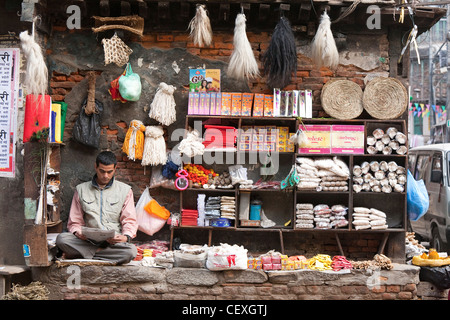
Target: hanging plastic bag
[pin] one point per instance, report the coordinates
(417, 198)
(155, 209)
(147, 223)
(130, 85)
(86, 129)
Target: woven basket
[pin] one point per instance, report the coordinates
(385, 98)
(342, 99)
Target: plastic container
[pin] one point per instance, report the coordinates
(255, 210)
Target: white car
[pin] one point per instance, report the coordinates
(431, 164)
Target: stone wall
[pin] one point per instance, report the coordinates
(148, 283)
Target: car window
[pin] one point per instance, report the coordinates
(436, 166)
(411, 162)
(420, 171)
(448, 168)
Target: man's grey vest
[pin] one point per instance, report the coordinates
(102, 208)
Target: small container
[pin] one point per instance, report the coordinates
(255, 210)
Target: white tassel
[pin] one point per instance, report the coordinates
(163, 105)
(242, 64)
(201, 32)
(36, 77)
(324, 50)
(154, 146)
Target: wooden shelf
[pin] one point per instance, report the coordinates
(286, 209)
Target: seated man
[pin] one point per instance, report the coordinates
(103, 203)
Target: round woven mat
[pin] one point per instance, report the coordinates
(342, 99)
(385, 98)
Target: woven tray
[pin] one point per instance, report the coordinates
(342, 99)
(385, 98)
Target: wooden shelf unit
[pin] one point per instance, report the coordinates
(394, 235)
(35, 235)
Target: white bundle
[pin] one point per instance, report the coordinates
(201, 32)
(201, 210)
(365, 218)
(305, 216)
(242, 64)
(324, 50)
(154, 146)
(163, 105)
(36, 77)
(192, 145)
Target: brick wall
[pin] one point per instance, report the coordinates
(146, 283)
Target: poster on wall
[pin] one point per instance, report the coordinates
(9, 88)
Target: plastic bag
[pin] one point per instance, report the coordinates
(147, 223)
(439, 276)
(158, 180)
(417, 198)
(130, 85)
(226, 257)
(86, 129)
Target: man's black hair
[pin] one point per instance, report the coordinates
(106, 158)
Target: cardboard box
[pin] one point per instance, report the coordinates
(294, 111)
(347, 139)
(258, 105)
(196, 76)
(318, 139)
(226, 104)
(258, 137)
(268, 105)
(257, 146)
(212, 104)
(244, 146)
(218, 104)
(308, 103)
(236, 103)
(247, 102)
(191, 102)
(204, 103)
(212, 77)
(302, 104)
(245, 137)
(277, 96)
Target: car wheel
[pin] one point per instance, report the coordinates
(436, 241)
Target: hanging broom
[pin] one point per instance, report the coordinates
(200, 26)
(324, 50)
(163, 105)
(280, 59)
(133, 145)
(36, 77)
(242, 64)
(154, 146)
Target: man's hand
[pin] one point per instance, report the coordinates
(117, 239)
(79, 235)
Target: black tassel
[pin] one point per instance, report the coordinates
(280, 59)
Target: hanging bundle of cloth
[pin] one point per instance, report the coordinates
(36, 77)
(242, 64)
(116, 51)
(280, 59)
(133, 145)
(323, 47)
(200, 26)
(162, 108)
(154, 146)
